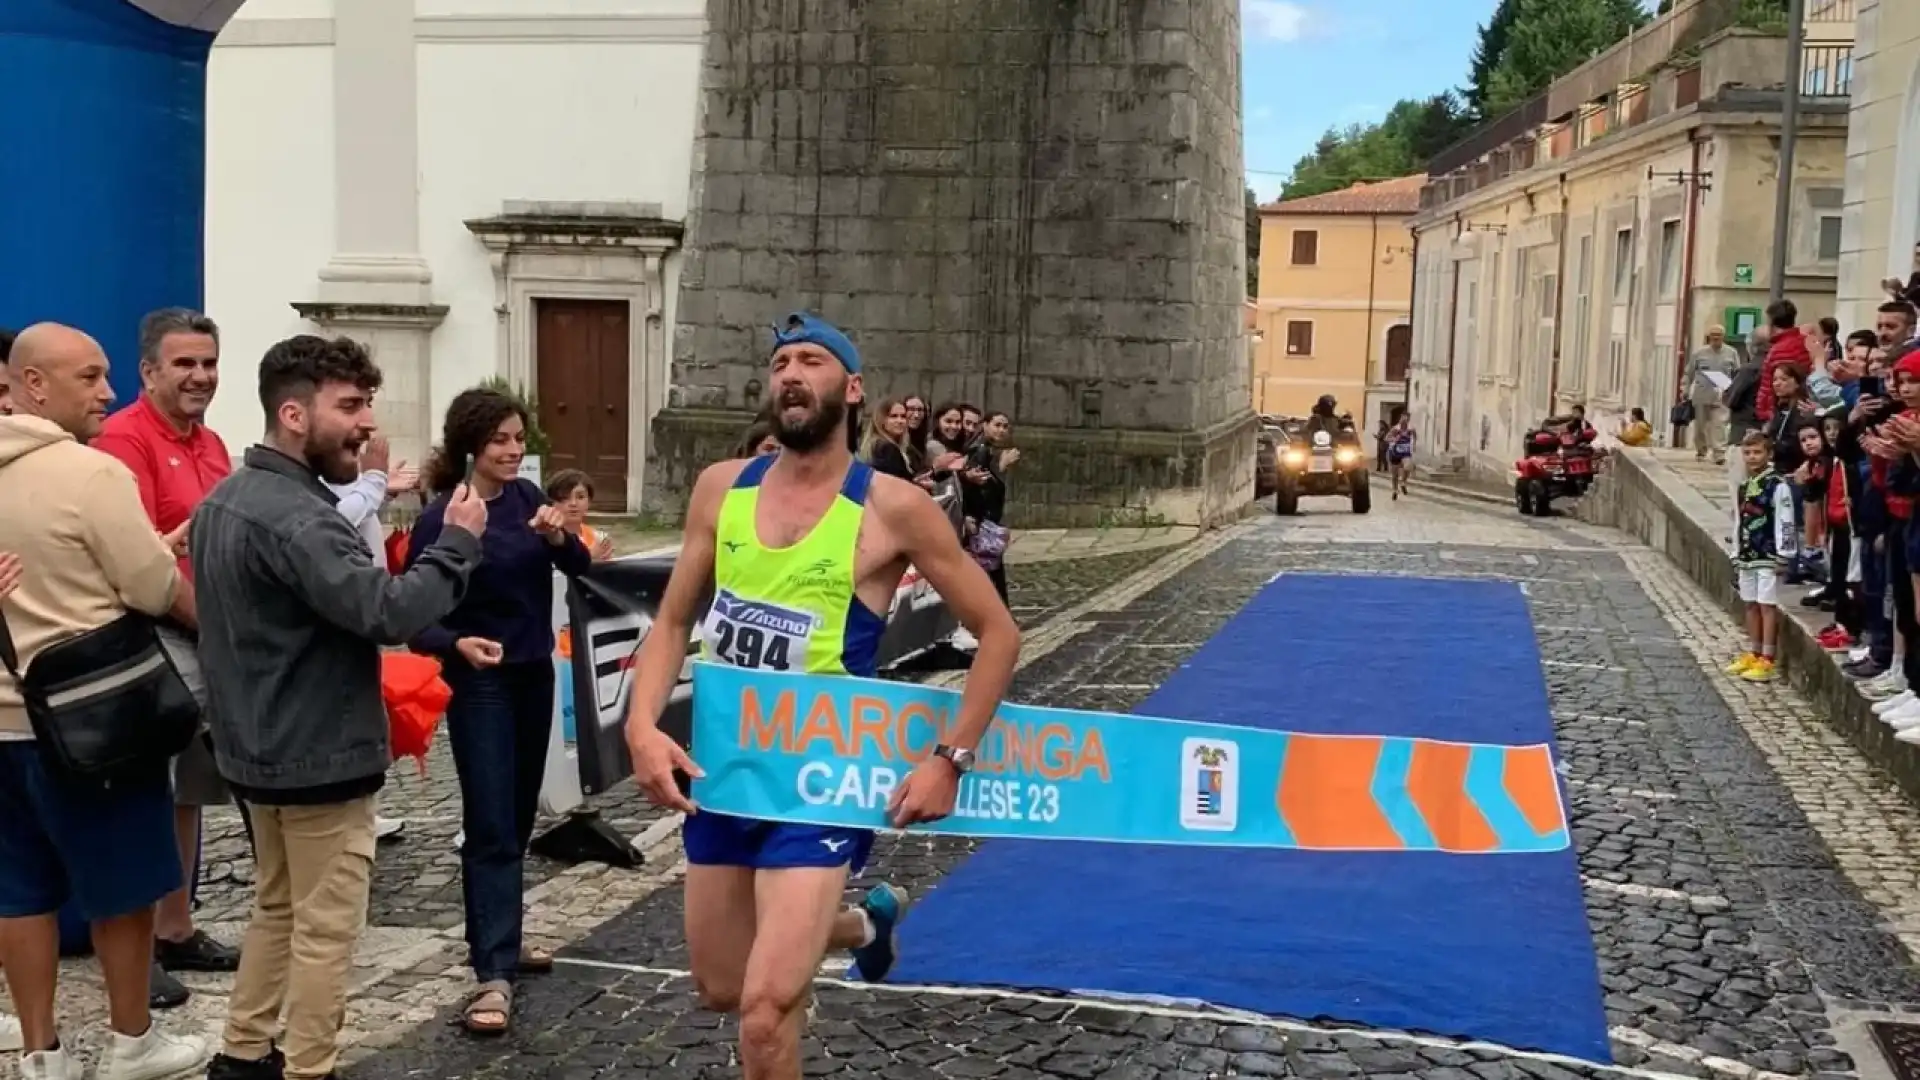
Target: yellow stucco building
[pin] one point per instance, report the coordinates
(1336, 285)
(1882, 215)
(1576, 250)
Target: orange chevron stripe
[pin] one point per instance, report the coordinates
(1436, 781)
(1326, 795)
(1531, 784)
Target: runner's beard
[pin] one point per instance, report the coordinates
(811, 432)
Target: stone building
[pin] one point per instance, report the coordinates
(1881, 235)
(1029, 205)
(1573, 251)
(1336, 286)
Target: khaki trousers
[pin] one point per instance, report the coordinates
(1710, 430)
(314, 871)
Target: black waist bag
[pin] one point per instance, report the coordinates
(107, 704)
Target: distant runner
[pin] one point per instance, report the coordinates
(802, 579)
(1400, 451)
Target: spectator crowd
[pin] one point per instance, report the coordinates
(261, 600)
(1824, 435)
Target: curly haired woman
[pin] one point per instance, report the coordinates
(497, 648)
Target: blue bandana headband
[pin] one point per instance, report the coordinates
(802, 328)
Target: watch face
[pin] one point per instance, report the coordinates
(962, 759)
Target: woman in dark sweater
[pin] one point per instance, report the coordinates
(985, 496)
(496, 649)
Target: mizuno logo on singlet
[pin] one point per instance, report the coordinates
(779, 620)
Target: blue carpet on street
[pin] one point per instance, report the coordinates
(1493, 947)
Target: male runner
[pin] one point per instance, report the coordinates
(763, 899)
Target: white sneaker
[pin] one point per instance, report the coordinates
(1898, 701)
(1884, 687)
(10, 1039)
(964, 640)
(386, 828)
(1903, 715)
(49, 1064)
(153, 1056)
(1858, 653)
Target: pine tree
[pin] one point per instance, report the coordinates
(1552, 37)
(1492, 44)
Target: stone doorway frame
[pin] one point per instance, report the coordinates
(586, 251)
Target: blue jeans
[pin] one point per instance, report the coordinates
(499, 723)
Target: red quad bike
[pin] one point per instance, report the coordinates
(1559, 465)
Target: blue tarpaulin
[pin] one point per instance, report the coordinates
(1493, 947)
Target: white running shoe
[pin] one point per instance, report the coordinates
(1884, 687)
(964, 640)
(49, 1064)
(386, 828)
(153, 1056)
(1898, 701)
(10, 1039)
(1903, 716)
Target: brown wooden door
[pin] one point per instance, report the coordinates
(580, 349)
(1399, 352)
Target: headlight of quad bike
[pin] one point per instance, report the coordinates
(1296, 458)
(1346, 457)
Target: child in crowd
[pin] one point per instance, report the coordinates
(1765, 542)
(1827, 495)
(572, 492)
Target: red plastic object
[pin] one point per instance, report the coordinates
(416, 698)
(397, 543)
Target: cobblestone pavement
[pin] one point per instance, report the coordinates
(1750, 882)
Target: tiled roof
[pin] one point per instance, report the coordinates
(1400, 196)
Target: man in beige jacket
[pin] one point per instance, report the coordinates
(89, 555)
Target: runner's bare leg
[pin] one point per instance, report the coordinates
(799, 912)
(720, 932)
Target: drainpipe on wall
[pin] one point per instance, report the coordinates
(1683, 318)
(1453, 326)
(1413, 323)
(1373, 275)
(1559, 298)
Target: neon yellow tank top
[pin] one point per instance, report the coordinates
(793, 608)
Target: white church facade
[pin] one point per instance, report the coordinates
(475, 188)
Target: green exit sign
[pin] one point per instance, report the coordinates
(1743, 274)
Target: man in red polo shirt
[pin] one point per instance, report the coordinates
(177, 460)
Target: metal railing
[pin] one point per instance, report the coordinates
(1826, 71)
(1490, 137)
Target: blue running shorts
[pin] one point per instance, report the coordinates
(721, 840)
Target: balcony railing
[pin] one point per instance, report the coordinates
(1826, 71)
(1830, 11)
(1490, 138)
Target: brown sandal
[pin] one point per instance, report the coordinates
(493, 1000)
(535, 960)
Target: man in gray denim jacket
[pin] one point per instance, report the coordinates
(293, 611)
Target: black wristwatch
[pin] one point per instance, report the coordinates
(962, 760)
